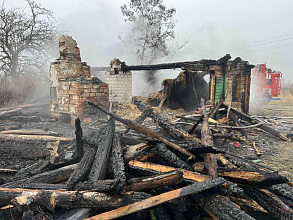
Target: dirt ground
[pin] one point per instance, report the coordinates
(277, 154)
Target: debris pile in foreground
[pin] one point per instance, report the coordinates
(169, 172)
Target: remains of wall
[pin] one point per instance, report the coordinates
(72, 86)
(120, 83)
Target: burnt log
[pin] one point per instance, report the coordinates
(68, 199)
(144, 130)
(221, 207)
(141, 118)
(207, 139)
(270, 202)
(118, 164)
(100, 186)
(78, 135)
(154, 182)
(104, 144)
(260, 178)
(53, 176)
(159, 199)
(284, 192)
(83, 166)
(172, 158)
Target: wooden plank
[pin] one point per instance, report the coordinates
(34, 137)
(188, 175)
(154, 182)
(159, 199)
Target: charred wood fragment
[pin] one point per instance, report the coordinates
(144, 130)
(53, 176)
(132, 152)
(78, 134)
(118, 164)
(100, 186)
(172, 158)
(270, 202)
(100, 163)
(153, 182)
(238, 123)
(221, 207)
(163, 123)
(141, 118)
(83, 166)
(260, 178)
(157, 168)
(284, 191)
(207, 139)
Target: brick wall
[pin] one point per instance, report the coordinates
(72, 85)
(120, 86)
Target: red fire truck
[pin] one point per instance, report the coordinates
(265, 83)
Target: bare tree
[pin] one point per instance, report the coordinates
(26, 35)
(152, 34)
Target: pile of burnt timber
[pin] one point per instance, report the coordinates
(170, 174)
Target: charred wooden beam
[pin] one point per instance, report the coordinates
(53, 176)
(83, 166)
(69, 199)
(134, 151)
(224, 59)
(159, 199)
(171, 129)
(42, 186)
(141, 118)
(157, 168)
(153, 182)
(100, 163)
(200, 64)
(215, 109)
(220, 207)
(78, 134)
(100, 186)
(253, 178)
(118, 164)
(129, 140)
(172, 158)
(195, 125)
(236, 61)
(270, 202)
(225, 162)
(144, 130)
(284, 191)
(238, 123)
(34, 137)
(253, 121)
(207, 139)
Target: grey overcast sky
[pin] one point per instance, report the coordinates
(256, 30)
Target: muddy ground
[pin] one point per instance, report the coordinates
(277, 154)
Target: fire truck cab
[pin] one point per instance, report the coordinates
(266, 84)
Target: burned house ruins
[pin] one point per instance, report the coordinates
(72, 85)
